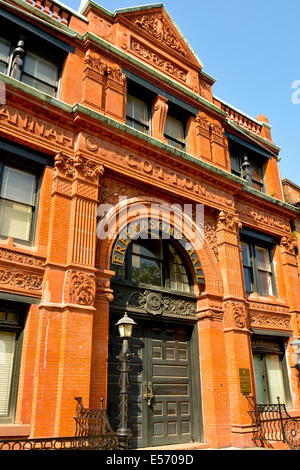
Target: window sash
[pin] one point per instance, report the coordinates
(7, 353)
(18, 186)
(41, 69)
(137, 114)
(5, 48)
(17, 203)
(174, 132)
(258, 270)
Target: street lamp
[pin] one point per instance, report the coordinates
(296, 347)
(125, 326)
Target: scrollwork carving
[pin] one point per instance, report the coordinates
(228, 221)
(154, 303)
(235, 315)
(81, 288)
(72, 166)
(158, 27)
(21, 279)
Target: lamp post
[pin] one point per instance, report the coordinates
(296, 347)
(125, 326)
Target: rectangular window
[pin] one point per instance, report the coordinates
(17, 203)
(175, 132)
(37, 68)
(258, 270)
(137, 114)
(7, 349)
(40, 73)
(256, 165)
(5, 48)
(11, 326)
(270, 371)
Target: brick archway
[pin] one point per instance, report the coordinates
(206, 257)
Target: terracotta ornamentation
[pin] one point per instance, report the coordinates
(157, 26)
(82, 288)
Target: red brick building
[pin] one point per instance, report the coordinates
(96, 106)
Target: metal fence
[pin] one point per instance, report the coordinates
(93, 432)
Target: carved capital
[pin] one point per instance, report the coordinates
(64, 165)
(81, 288)
(288, 245)
(228, 221)
(70, 167)
(235, 315)
(87, 169)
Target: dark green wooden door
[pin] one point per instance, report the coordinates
(160, 404)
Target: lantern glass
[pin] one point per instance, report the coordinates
(125, 330)
(125, 325)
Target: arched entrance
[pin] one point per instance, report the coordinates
(155, 286)
(156, 283)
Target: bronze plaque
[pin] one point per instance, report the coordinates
(245, 382)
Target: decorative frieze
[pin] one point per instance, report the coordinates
(157, 60)
(270, 320)
(158, 27)
(153, 303)
(20, 258)
(197, 187)
(29, 124)
(28, 280)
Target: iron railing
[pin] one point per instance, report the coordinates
(271, 422)
(93, 432)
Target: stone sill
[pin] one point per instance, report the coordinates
(13, 430)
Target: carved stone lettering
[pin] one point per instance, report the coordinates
(35, 126)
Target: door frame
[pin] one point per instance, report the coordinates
(196, 415)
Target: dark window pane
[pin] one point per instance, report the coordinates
(248, 279)
(146, 271)
(149, 248)
(246, 254)
(137, 114)
(235, 164)
(4, 54)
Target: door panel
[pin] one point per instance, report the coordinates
(160, 369)
(170, 420)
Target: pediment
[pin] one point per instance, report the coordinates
(155, 24)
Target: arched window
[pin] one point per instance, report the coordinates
(158, 262)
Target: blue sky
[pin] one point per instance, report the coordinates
(252, 50)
